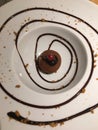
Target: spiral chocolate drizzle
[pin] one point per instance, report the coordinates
(12, 114)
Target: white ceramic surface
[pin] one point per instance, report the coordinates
(72, 27)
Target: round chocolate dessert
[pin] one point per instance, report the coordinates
(49, 61)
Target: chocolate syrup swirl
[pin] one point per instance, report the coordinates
(12, 114)
(50, 44)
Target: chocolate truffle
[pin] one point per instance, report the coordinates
(49, 61)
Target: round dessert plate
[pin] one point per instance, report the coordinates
(32, 99)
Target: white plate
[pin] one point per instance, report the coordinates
(65, 99)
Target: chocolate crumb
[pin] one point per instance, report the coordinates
(26, 65)
(9, 33)
(61, 123)
(10, 70)
(83, 90)
(53, 124)
(26, 30)
(74, 62)
(62, 87)
(4, 46)
(43, 20)
(92, 111)
(76, 23)
(95, 55)
(6, 97)
(25, 20)
(95, 66)
(79, 20)
(15, 33)
(43, 113)
(24, 120)
(41, 124)
(17, 113)
(28, 19)
(53, 81)
(68, 22)
(17, 86)
(57, 107)
(96, 78)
